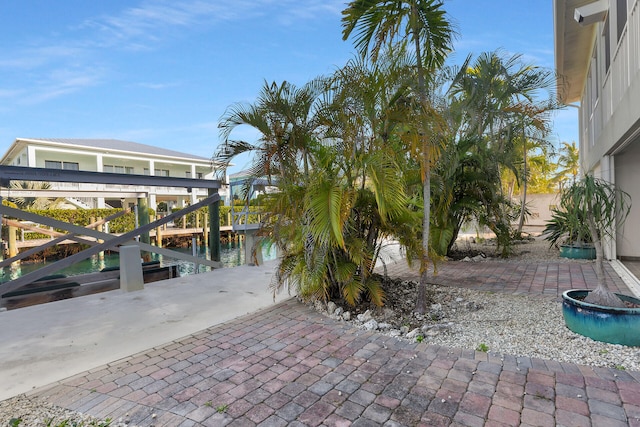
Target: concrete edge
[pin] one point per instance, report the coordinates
(627, 277)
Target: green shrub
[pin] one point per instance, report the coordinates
(82, 217)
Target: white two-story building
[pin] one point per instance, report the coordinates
(115, 156)
(597, 53)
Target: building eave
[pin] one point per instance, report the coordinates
(573, 48)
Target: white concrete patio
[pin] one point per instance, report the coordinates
(49, 342)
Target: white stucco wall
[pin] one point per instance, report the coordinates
(627, 176)
(540, 207)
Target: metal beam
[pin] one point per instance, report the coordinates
(72, 259)
(13, 192)
(60, 237)
(214, 230)
(19, 173)
(35, 250)
(39, 219)
(177, 255)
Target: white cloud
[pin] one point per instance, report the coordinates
(159, 86)
(61, 82)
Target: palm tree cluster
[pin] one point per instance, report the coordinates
(394, 145)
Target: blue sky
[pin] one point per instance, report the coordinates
(162, 72)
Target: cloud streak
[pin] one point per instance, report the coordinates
(60, 82)
(147, 26)
(153, 21)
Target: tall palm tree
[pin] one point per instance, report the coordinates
(424, 25)
(542, 168)
(361, 162)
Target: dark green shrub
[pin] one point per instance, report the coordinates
(567, 228)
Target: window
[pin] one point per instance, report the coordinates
(73, 166)
(118, 169)
(593, 80)
(606, 39)
(146, 171)
(187, 174)
(161, 172)
(199, 175)
(51, 164)
(54, 164)
(621, 15)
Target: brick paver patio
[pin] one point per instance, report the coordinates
(535, 278)
(289, 365)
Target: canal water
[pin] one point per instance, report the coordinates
(231, 255)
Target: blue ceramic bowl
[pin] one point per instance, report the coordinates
(607, 324)
(578, 252)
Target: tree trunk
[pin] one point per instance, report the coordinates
(421, 302)
(601, 295)
(524, 189)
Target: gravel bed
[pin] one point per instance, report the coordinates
(503, 324)
(23, 411)
(532, 327)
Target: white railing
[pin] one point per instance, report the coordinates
(82, 202)
(240, 219)
(623, 72)
(625, 63)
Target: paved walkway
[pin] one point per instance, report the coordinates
(288, 365)
(525, 278)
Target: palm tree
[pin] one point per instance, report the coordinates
(604, 207)
(372, 101)
(501, 96)
(542, 169)
(356, 196)
(285, 116)
(534, 120)
(423, 24)
(35, 202)
(335, 150)
(333, 254)
(569, 162)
